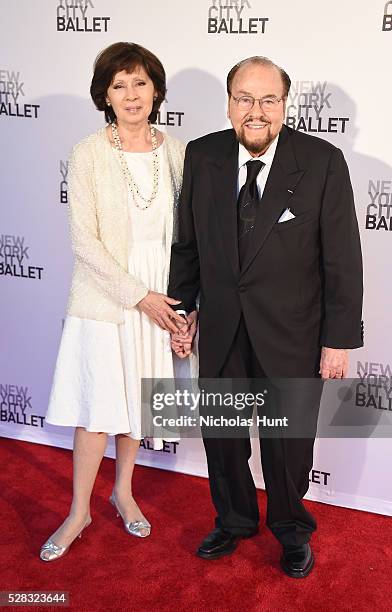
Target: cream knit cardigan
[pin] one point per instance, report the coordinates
(101, 286)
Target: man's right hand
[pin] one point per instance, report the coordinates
(182, 341)
(158, 307)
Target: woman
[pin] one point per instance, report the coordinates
(124, 184)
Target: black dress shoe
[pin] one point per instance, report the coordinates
(219, 543)
(297, 562)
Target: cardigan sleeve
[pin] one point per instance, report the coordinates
(110, 277)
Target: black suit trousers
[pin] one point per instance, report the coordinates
(286, 464)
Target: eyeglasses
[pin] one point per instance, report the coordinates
(246, 103)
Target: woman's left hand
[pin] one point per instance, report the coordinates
(158, 307)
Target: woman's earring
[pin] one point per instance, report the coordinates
(108, 103)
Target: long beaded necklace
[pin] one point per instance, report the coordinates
(136, 195)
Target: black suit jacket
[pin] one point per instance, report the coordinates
(300, 286)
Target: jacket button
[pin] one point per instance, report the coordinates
(242, 289)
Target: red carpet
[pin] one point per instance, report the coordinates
(109, 570)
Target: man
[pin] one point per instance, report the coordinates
(268, 239)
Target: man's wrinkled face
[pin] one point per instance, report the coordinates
(258, 127)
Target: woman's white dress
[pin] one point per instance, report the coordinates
(97, 380)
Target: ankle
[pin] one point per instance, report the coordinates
(80, 515)
(122, 491)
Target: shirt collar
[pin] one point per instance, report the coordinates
(244, 155)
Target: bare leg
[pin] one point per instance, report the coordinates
(126, 451)
(89, 448)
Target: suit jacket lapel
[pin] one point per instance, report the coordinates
(224, 175)
(282, 181)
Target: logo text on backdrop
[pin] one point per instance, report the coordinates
(13, 255)
(379, 208)
(309, 108)
(374, 389)
(12, 88)
(76, 16)
(16, 406)
(234, 17)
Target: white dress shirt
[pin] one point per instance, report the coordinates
(267, 158)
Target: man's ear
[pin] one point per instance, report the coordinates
(284, 108)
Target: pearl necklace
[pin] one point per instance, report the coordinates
(136, 195)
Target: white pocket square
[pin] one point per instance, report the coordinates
(286, 216)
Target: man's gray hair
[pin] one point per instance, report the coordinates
(262, 61)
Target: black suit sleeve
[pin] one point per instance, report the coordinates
(341, 260)
(184, 278)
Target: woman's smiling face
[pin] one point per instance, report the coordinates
(131, 95)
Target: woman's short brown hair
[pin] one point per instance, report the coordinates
(125, 56)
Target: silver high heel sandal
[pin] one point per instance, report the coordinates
(140, 529)
(51, 551)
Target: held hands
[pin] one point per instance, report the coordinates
(158, 307)
(182, 341)
(333, 363)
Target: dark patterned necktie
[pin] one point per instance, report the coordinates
(248, 200)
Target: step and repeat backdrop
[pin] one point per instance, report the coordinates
(338, 56)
